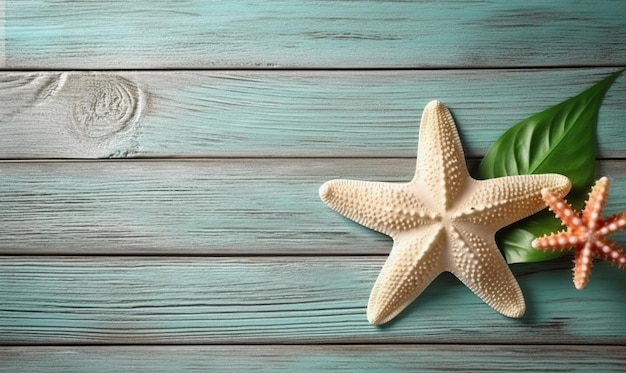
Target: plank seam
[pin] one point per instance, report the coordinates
(229, 158)
(318, 344)
(331, 68)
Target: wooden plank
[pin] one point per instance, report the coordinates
(2, 34)
(311, 358)
(269, 300)
(252, 34)
(277, 113)
(212, 207)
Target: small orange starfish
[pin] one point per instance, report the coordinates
(586, 232)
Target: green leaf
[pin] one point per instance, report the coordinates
(561, 139)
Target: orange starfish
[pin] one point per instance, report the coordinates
(586, 232)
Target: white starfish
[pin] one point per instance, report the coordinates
(442, 220)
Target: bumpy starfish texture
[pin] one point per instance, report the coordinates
(442, 220)
(586, 232)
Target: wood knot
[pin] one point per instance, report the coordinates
(103, 105)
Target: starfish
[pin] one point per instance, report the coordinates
(442, 220)
(586, 232)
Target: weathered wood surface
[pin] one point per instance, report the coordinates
(311, 358)
(208, 207)
(127, 300)
(278, 113)
(210, 249)
(270, 34)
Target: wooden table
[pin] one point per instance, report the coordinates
(160, 167)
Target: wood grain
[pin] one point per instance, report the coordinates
(127, 300)
(277, 113)
(313, 34)
(210, 249)
(208, 207)
(3, 61)
(311, 358)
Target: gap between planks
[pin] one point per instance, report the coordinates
(407, 68)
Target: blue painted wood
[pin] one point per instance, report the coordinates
(278, 114)
(237, 216)
(252, 34)
(210, 207)
(113, 300)
(312, 358)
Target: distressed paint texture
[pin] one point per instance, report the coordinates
(204, 245)
(202, 207)
(274, 300)
(314, 34)
(278, 114)
(347, 358)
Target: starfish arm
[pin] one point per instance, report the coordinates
(557, 241)
(592, 214)
(583, 261)
(563, 210)
(480, 266)
(411, 266)
(502, 201)
(613, 224)
(610, 252)
(385, 207)
(440, 160)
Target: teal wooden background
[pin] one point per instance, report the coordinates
(160, 164)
